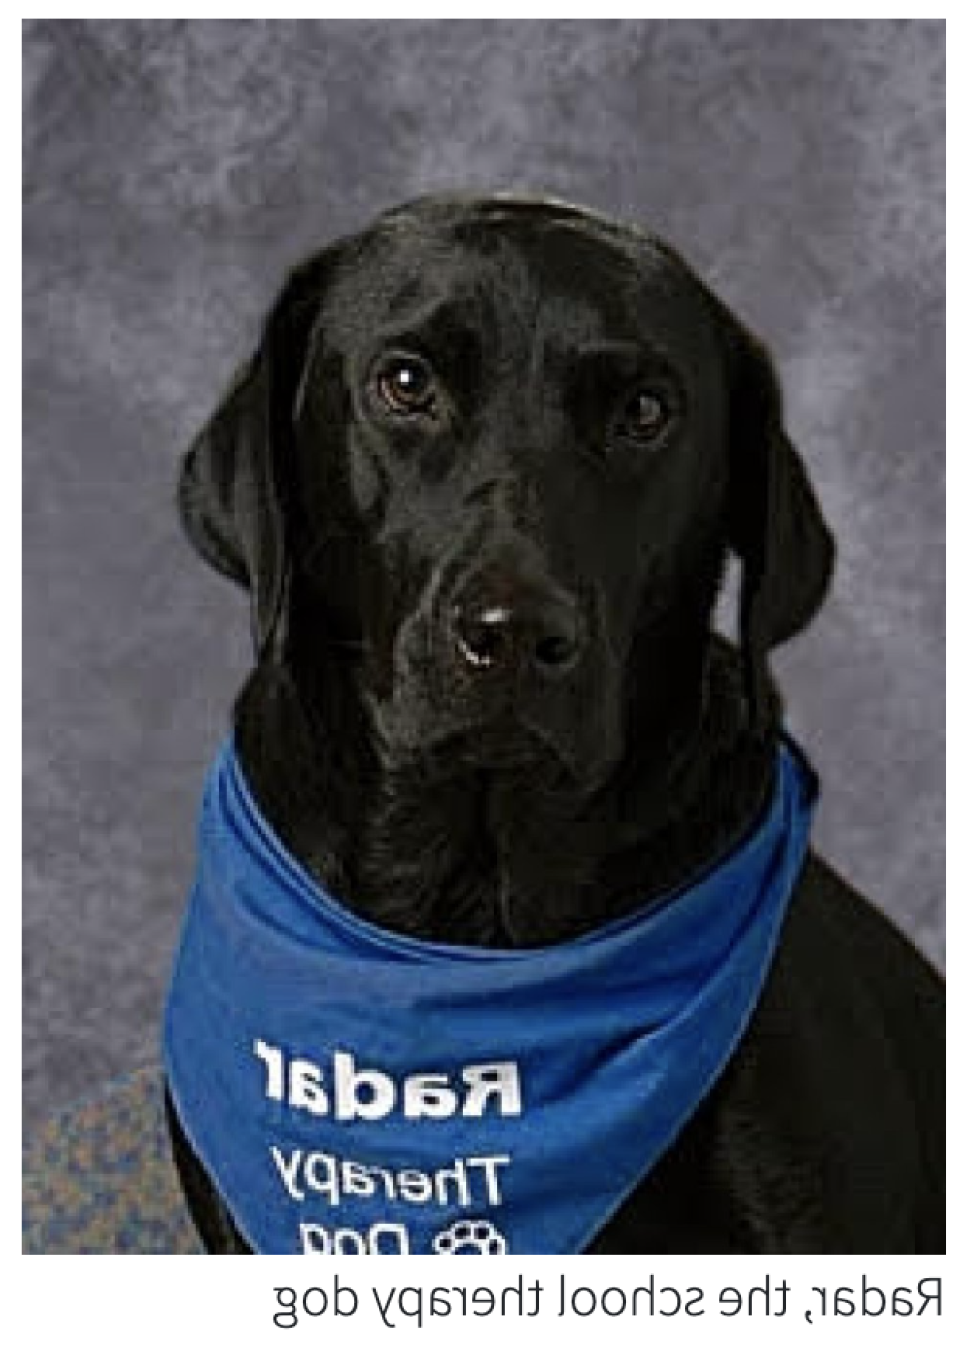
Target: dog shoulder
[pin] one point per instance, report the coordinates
(842, 928)
(851, 1012)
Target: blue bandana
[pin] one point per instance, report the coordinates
(354, 1091)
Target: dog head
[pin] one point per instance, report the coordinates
(492, 453)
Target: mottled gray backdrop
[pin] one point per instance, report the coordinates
(173, 171)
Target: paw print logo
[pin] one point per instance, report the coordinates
(470, 1238)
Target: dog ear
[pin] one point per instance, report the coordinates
(774, 518)
(234, 479)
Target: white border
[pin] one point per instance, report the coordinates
(102, 1300)
(679, 10)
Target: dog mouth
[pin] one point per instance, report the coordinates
(508, 745)
(505, 742)
(566, 732)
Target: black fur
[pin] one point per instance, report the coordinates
(487, 705)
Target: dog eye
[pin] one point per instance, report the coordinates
(644, 416)
(407, 385)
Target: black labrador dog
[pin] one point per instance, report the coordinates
(481, 478)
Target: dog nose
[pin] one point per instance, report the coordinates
(530, 628)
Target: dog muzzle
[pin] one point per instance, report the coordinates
(355, 1091)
